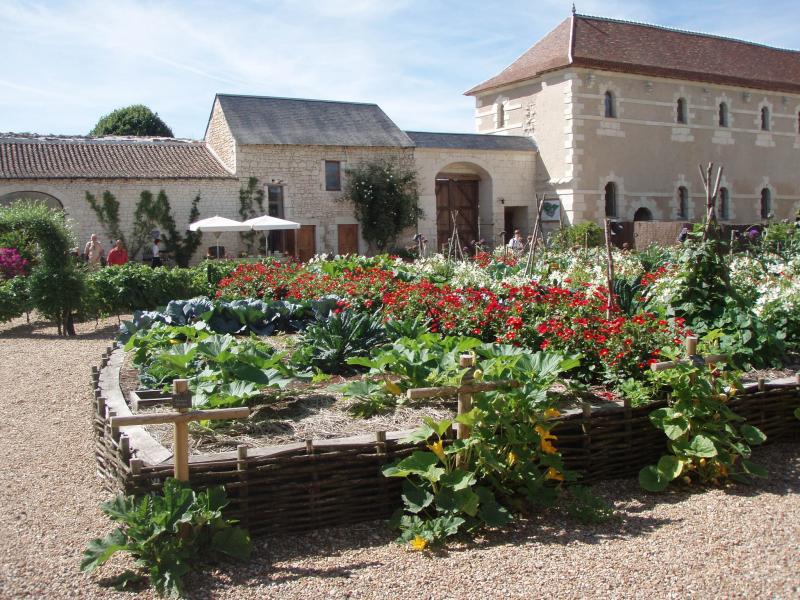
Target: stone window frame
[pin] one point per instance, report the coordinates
(724, 203)
(609, 105)
(765, 108)
(724, 115)
(611, 199)
(682, 111)
(766, 206)
(331, 186)
(684, 197)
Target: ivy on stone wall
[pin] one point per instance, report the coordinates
(251, 205)
(107, 213)
(153, 212)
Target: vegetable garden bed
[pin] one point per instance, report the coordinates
(321, 483)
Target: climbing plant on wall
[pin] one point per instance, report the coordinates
(56, 284)
(155, 212)
(251, 205)
(107, 212)
(385, 200)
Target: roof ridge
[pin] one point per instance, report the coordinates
(35, 138)
(464, 133)
(687, 32)
(321, 100)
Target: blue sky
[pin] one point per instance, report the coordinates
(67, 62)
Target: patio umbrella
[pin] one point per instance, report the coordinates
(267, 223)
(217, 225)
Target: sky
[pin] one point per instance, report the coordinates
(68, 62)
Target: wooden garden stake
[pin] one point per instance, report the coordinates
(609, 270)
(691, 351)
(465, 361)
(182, 402)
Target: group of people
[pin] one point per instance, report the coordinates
(95, 254)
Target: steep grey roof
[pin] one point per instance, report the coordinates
(266, 120)
(471, 141)
(26, 156)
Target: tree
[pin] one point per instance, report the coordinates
(132, 120)
(385, 200)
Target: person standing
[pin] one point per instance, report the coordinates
(117, 255)
(156, 253)
(94, 253)
(516, 243)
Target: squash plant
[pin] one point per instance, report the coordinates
(168, 534)
(707, 441)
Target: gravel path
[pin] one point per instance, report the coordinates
(740, 543)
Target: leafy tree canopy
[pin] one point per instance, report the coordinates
(132, 120)
(385, 200)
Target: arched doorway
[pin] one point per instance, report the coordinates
(463, 193)
(49, 200)
(643, 214)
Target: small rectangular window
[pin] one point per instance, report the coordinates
(333, 176)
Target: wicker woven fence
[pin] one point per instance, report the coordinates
(305, 486)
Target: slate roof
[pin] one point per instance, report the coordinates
(24, 156)
(471, 141)
(623, 46)
(266, 120)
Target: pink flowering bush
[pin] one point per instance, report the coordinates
(12, 264)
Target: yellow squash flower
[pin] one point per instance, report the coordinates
(554, 475)
(511, 459)
(544, 440)
(552, 413)
(419, 543)
(438, 449)
(393, 388)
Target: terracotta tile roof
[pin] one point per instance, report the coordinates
(24, 156)
(655, 51)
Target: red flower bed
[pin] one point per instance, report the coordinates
(534, 316)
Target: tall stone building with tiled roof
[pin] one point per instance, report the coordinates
(623, 113)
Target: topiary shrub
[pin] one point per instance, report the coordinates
(56, 284)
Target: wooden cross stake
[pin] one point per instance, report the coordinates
(463, 392)
(691, 356)
(182, 402)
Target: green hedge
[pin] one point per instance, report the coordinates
(123, 289)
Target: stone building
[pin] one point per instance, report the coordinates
(299, 152)
(623, 113)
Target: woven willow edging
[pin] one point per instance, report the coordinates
(305, 486)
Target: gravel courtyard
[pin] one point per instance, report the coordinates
(739, 543)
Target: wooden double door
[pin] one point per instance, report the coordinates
(456, 198)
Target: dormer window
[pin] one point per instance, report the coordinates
(610, 108)
(682, 115)
(723, 114)
(764, 118)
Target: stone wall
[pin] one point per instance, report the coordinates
(506, 181)
(219, 138)
(300, 170)
(219, 196)
(644, 151)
